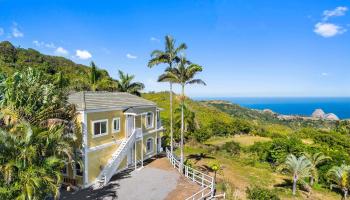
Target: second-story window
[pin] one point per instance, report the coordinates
(100, 128)
(116, 125)
(149, 120)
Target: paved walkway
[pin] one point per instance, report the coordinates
(156, 181)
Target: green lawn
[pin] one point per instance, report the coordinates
(244, 140)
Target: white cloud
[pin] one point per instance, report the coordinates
(44, 44)
(83, 54)
(61, 51)
(50, 45)
(154, 39)
(16, 32)
(37, 43)
(328, 29)
(324, 74)
(2, 31)
(131, 56)
(338, 11)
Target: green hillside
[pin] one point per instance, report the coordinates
(14, 59)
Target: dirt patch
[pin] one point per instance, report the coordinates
(184, 189)
(161, 163)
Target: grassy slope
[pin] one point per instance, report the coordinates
(241, 172)
(238, 172)
(204, 113)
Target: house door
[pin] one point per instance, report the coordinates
(130, 125)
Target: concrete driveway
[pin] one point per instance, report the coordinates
(156, 181)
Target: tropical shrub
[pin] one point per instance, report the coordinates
(259, 193)
(31, 162)
(281, 147)
(231, 148)
(202, 134)
(261, 149)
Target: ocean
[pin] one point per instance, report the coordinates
(293, 105)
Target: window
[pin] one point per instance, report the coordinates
(149, 120)
(149, 145)
(100, 128)
(116, 125)
(78, 169)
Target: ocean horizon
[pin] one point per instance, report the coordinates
(304, 106)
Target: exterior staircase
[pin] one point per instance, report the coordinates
(114, 162)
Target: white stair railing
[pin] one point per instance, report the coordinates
(113, 163)
(205, 181)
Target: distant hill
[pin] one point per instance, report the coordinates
(14, 59)
(267, 116)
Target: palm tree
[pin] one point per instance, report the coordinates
(339, 178)
(125, 84)
(316, 159)
(182, 74)
(299, 168)
(30, 162)
(191, 123)
(169, 56)
(93, 76)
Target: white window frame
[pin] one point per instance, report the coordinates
(158, 116)
(152, 122)
(152, 146)
(75, 170)
(93, 128)
(116, 130)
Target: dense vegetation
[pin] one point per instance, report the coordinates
(37, 136)
(221, 121)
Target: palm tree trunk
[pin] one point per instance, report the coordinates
(171, 118)
(182, 125)
(294, 185)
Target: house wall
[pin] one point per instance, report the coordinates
(143, 148)
(110, 137)
(99, 156)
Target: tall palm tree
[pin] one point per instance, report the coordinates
(184, 74)
(170, 56)
(125, 84)
(299, 168)
(339, 178)
(316, 159)
(93, 76)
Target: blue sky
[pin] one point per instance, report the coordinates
(247, 47)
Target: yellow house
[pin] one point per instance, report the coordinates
(119, 130)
